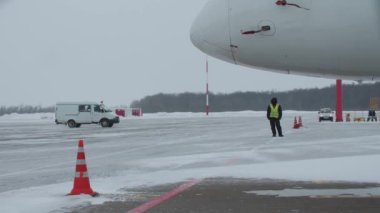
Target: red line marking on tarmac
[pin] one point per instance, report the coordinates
(154, 202)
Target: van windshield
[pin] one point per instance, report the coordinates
(326, 110)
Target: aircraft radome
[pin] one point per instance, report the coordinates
(324, 38)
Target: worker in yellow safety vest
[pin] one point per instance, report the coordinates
(274, 115)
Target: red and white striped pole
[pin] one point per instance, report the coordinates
(207, 103)
(339, 101)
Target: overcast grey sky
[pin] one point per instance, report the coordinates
(117, 51)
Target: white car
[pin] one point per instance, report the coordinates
(326, 114)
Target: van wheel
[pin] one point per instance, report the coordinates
(71, 124)
(104, 123)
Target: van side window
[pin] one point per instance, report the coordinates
(97, 108)
(84, 108)
(81, 108)
(88, 108)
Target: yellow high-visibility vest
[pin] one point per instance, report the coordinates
(274, 111)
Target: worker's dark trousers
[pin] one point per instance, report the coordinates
(275, 123)
(372, 118)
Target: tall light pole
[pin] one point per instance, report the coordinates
(339, 101)
(207, 102)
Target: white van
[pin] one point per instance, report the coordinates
(74, 114)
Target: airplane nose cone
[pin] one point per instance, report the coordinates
(210, 31)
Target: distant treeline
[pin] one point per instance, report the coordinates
(355, 97)
(25, 109)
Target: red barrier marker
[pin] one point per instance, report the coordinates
(295, 124)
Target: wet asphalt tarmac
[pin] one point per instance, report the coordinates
(219, 195)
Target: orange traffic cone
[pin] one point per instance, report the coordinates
(300, 121)
(295, 125)
(81, 180)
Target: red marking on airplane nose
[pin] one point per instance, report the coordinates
(281, 2)
(285, 3)
(247, 32)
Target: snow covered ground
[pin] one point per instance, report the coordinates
(38, 157)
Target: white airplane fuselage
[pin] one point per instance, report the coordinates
(324, 38)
